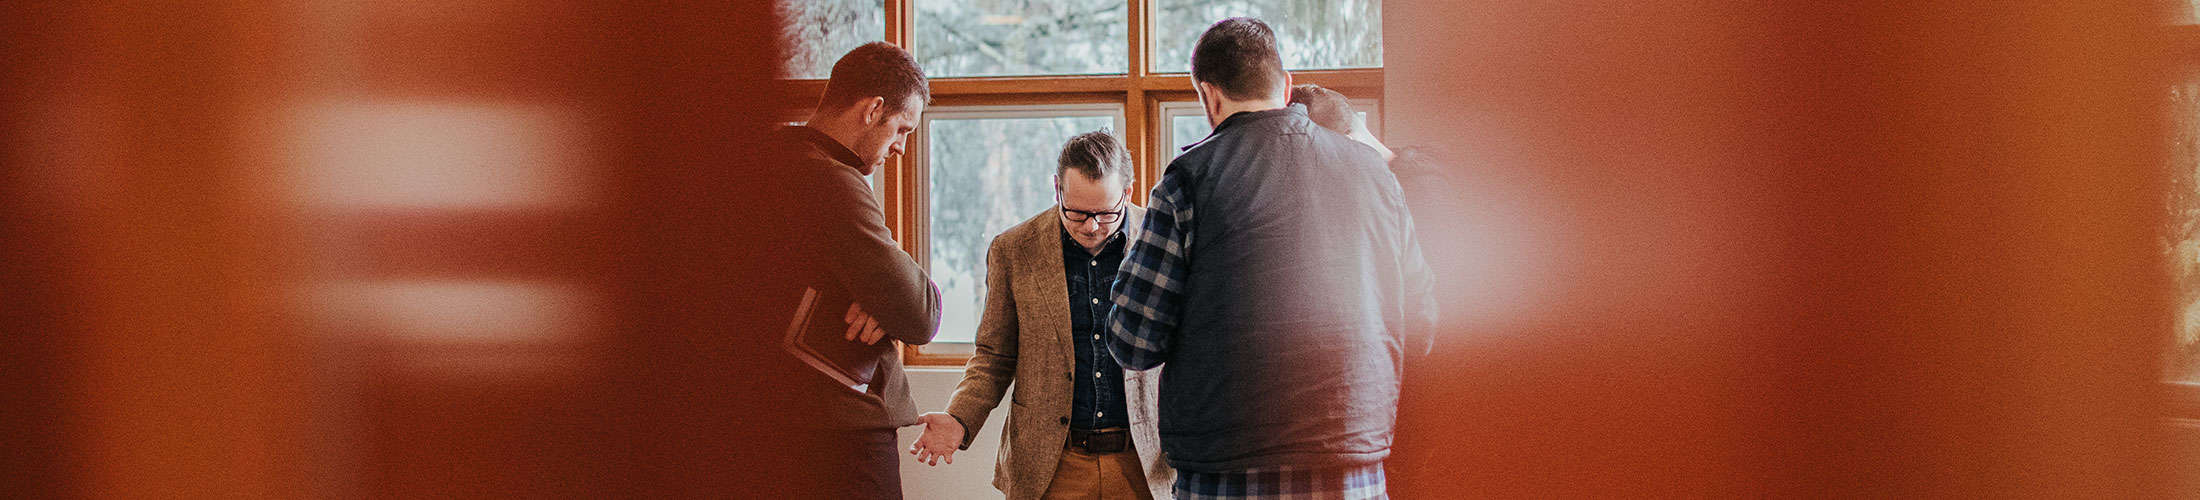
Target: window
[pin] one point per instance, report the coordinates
(819, 31)
(1187, 124)
(1021, 37)
(1312, 34)
(1014, 79)
(988, 169)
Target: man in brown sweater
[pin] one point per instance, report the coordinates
(827, 230)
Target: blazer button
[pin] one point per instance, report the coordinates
(1065, 420)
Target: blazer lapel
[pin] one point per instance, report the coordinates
(1046, 250)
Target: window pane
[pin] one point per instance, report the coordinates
(2183, 243)
(986, 175)
(1311, 34)
(2182, 12)
(1185, 130)
(818, 32)
(1022, 37)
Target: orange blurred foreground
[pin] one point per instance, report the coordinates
(256, 249)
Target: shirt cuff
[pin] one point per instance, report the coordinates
(967, 435)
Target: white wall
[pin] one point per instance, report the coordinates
(971, 476)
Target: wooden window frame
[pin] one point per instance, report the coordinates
(1140, 92)
(920, 164)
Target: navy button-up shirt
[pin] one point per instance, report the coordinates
(1098, 399)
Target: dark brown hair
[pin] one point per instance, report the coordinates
(1097, 154)
(1239, 56)
(876, 69)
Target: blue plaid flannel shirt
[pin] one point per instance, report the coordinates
(1364, 482)
(1149, 287)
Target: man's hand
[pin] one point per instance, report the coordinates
(942, 435)
(862, 325)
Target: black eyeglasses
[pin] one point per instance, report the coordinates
(1074, 215)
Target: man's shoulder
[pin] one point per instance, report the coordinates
(1023, 233)
(1133, 216)
(1191, 161)
(1342, 151)
(805, 167)
(792, 145)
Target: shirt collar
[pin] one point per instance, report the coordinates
(1115, 240)
(832, 148)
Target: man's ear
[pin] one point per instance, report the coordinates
(1287, 88)
(874, 110)
(1208, 101)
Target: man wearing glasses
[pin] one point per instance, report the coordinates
(1079, 426)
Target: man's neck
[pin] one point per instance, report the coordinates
(1103, 246)
(831, 127)
(1226, 108)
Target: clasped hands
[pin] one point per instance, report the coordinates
(942, 436)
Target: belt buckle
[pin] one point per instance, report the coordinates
(1106, 442)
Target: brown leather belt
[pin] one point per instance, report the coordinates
(1113, 440)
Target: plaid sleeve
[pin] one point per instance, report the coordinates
(1420, 297)
(1149, 289)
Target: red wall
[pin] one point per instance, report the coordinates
(1738, 249)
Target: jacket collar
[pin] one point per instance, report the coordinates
(832, 148)
(1243, 117)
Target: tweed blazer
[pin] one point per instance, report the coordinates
(1023, 339)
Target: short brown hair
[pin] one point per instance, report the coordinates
(1097, 155)
(1326, 107)
(1239, 56)
(876, 69)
